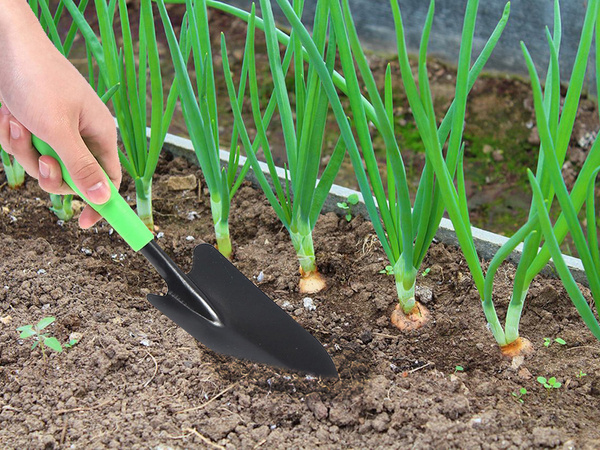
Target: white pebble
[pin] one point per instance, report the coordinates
(160, 235)
(192, 215)
(190, 238)
(86, 251)
(309, 303)
(41, 272)
(260, 277)
(145, 342)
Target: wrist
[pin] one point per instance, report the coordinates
(21, 37)
(14, 15)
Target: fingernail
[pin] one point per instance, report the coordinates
(15, 130)
(44, 169)
(4, 110)
(98, 193)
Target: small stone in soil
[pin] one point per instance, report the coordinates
(260, 277)
(192, 215)
(86, 251)
(309, 304)
(423, 294)
(190, 238)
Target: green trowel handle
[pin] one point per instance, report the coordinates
(116, 211)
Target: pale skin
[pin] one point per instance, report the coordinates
(42, 93)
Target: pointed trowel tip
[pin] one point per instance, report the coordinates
(328, 371)
(225, 311)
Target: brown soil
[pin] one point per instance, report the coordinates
(135, 380)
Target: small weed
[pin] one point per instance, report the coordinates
(43, 339)
(581, 374)
(389, 270)
(350, 201)
(548, 341)
(549, 383)
(426, 272)
(459, 369)
(519, 395)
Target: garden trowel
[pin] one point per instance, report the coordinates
(215, 302)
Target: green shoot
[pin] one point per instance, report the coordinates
(15, 174)
(548, 341)
(581, 374)
(549, 383)
(42, 339)
(345, 206)
(459, 369)
(389, 270)
(118, 67)
(62, 207)
(298, 203)
(519, 395)
(404, 230)
(426, 272)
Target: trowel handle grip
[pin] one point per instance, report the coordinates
(116, 211)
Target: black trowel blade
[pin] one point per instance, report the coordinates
(234, 317)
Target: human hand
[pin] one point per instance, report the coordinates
(42, 93)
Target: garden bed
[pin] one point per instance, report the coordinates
(135, 380)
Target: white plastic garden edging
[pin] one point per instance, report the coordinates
(486, 243)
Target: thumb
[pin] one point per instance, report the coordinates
(84, 169)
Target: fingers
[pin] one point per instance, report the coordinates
(16, 140)
(84, 169)
(88, 217)
(50, 176)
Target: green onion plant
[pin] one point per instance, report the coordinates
(404, 230)
(299, 201)
(133, 72)
(555, 122)
(200, 114)
(555, 130)
(15, 174)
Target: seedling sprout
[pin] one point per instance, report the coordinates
(44, 340)
(549, 383)
(389, 270)
(345, 206)
(519, 395)
(548, 341)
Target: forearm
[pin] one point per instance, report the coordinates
(21, 39)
